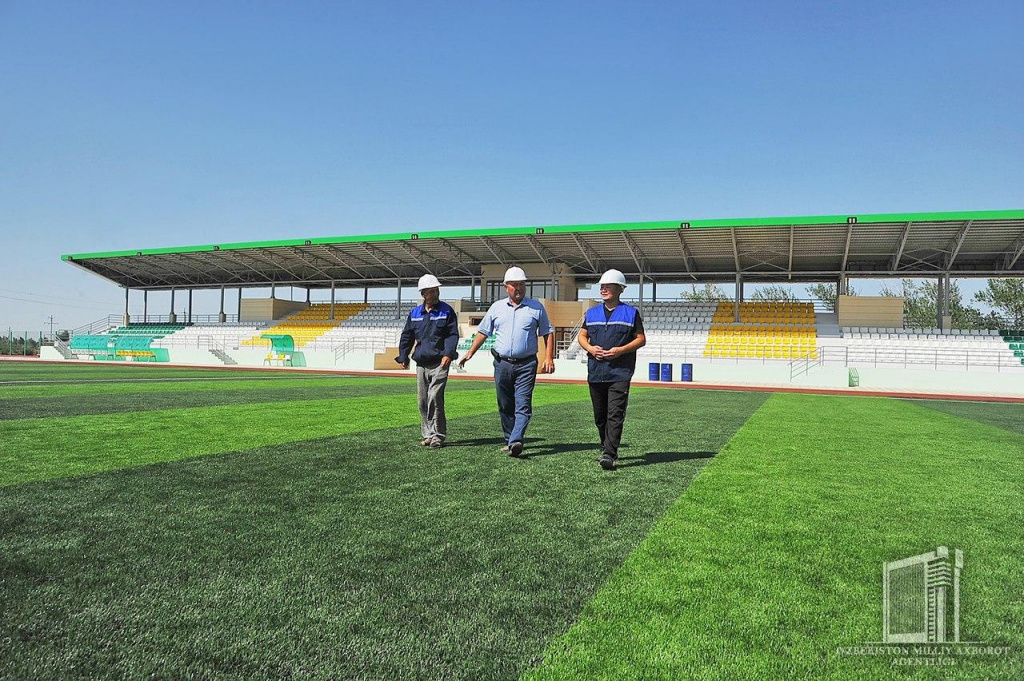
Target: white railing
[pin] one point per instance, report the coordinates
(375, 343)
(62, 348)
(367, 345)
(568, 344)
(845, 356)
(920, 358)
(803, 365)
(99, 326)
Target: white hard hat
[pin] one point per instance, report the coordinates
(514, 274)
(428, 281)
(613, 277)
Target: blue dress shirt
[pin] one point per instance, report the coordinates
(516, 327)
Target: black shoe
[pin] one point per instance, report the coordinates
(515, 450)
(607, 463)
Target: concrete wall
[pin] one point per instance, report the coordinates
(564, 313)
(48, 352)
(268, 309)
(1009, 383)
(870, 311)
(537, 272)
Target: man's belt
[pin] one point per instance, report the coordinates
(512, 360)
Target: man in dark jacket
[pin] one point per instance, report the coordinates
(434, 330)
(611, 335)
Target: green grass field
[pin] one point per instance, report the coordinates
(180, 523)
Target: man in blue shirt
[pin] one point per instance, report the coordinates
(434, 329)
(611, 335)
(515, 322)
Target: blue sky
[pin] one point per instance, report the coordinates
(130, 125)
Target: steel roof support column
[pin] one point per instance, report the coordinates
(641, 306)
(127, 318)
(939, 301)
(739, 298)
(273, 291)
(946, 289)
(188, 319)
(654, 291)
(172, 318)
(307, 296)
(332, 299)
(366, 295)
(222, 317)
(398, 305)
(239, 304)
(145, 306)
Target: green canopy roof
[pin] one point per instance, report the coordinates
(804, 248)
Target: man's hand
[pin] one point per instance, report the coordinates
(613, 353)
(404, 365)
(548, 367)
(465, 358)
(597, 351)
(445, 361)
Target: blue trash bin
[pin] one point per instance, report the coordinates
(686, 373)
(652, 371)
(666, 372)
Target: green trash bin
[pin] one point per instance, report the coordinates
(854, 378)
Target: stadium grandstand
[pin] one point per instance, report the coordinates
(863, 339)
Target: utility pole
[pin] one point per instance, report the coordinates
(51, 328)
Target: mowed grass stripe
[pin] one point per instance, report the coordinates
(38, 449)
(1001, 415)
(357, 556)
(78, 372)
(177, 384)
(135, 380)
(174, 398)
(772, 559)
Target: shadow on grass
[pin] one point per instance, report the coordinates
(565, 449)
(485, 441)
(651, 458)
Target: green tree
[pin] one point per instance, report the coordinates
(827, 294)
(773, 293)
(1005, 296)
(709, 293)
(920, 306)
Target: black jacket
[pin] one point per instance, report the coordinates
(435, 335)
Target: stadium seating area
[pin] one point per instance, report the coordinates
(768, 330)
(212, 335)
(310, 324)
(372, 329)
(881, 333)
(1015, 342)
(118, 345)
(676, 328)
(941, 346)
(154, 330)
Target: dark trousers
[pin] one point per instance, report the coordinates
(514, 385)
(609, 400)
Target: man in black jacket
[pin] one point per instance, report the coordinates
(434, 330)
(611, 335)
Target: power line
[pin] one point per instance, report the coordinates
(43, 295)
(46, 302)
